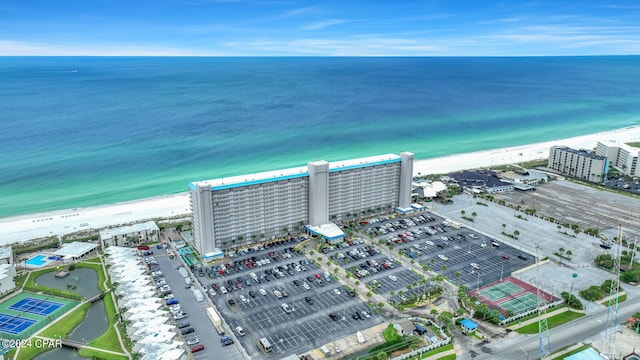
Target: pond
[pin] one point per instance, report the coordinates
(85, 280)
(95, 322)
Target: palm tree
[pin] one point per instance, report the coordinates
(516, 233)
(504, 226)
(474, 214)
(443, 268)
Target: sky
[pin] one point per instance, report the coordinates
(319, 28)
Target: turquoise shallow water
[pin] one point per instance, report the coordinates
(87, 131)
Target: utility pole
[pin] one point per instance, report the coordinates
(543, 325)
(612, 309)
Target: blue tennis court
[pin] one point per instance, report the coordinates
(36, 306)
(14, 324)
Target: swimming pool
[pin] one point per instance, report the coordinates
(37, 260)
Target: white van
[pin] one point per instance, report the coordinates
(187, 281)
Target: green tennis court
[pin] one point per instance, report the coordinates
(500, 290)
(24, 313)
(522, 303)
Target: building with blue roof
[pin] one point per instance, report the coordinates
(241, 210)
(468, 326)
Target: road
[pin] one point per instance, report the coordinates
(519, 346)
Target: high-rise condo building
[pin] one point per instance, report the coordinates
(621, 155)
(580, 164)
(240, 210)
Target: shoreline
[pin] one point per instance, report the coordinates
(521, 153)
(25, 227)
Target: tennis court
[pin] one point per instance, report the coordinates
(36, 306)
(27, 312)
(14, 324)
(500, 290)
(522, 303)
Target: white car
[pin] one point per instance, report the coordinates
(429, 243)
(337, 291)
(263, 292)
(393, 278)
(244, 299)
(223, 289)
(306, 286)
(240, 331)
(286, 308)
(443, 258)
(193, 341)
(475, 266)
(473, 236)
(365, 314)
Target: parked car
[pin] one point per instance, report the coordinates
(240, 331)
(197, 348)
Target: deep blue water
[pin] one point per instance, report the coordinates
(79, 131)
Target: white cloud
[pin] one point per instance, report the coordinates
(21, 48)
(300, 11)
(323, 24)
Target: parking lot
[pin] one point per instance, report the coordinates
(587, 207)
(459, 254)
(195, 311)
(369, 265)
(258, 281)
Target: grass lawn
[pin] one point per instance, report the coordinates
(94, 354)
(108, 340)
(553, 321)
(390, 334)
(61, 329)
(437, 351)
(449, 357)
(572, 352)
(533, 316)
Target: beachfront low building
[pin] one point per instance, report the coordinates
(622, 156)
(580, 164)
(131, 235)
(76, 250)
(529, 178)
(429, 190)
(7, 273)
(6, 255)
(481, 181)
(240, 210)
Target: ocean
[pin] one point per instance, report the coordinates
(82, 131)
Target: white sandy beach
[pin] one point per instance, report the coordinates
(25, 227)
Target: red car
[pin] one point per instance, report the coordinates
(505, 256)
(197, 348)
(143, 247)
(317, 276)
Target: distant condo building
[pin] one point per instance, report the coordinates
(240, 210)
(621, 155)
(580, 164)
